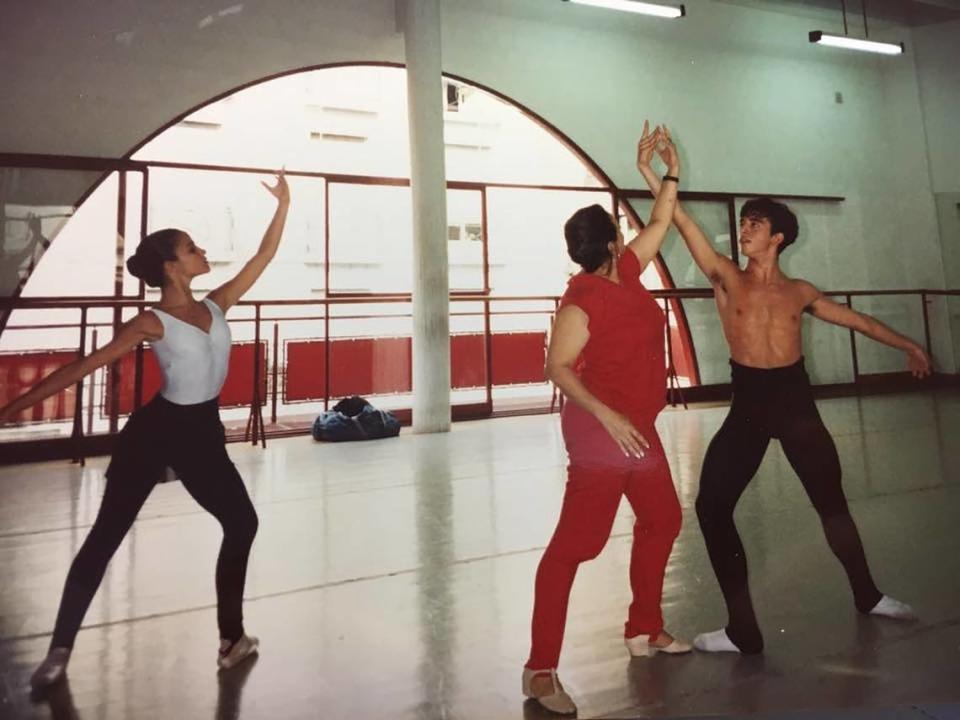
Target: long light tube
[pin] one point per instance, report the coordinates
(842, 41)
(644, 8)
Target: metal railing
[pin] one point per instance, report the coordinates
(268, 316)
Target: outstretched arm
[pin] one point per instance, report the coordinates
(145, 326)
(228, 294)
(569, 336)
(712, 263)
(824, 308)
(648, 241)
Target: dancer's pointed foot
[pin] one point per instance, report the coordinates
(233, 653)
(890, 608)
(51, 670)
(716, 641)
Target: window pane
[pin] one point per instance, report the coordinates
(81, 259)
(528, 254)
(712, 219)
(465, 239)
(134, 192)
(227, 213)
(371, 238)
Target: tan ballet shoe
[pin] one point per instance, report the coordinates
(558, 701)
(640, 646)
(239, 651)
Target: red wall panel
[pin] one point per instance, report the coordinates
(21, 371)
(382, 366)
(518, 358)
(306, 361)
(468, 361)
(370, 366)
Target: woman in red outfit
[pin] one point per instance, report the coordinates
(610, 324)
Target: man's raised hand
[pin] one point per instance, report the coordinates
(919, 362)
(666, 149)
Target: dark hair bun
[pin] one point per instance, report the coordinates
(148, 266)
(155, 249)
(134, 266)
(588, 232)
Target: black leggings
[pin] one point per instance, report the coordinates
(190, 440)
(773, 403)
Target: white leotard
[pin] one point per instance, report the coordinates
(193, 362)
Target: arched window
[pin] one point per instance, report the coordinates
(342, 134)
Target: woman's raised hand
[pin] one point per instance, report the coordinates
(281, 191)
(647, 145)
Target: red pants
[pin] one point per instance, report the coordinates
(597, 476)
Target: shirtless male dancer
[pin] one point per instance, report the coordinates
(760, 309)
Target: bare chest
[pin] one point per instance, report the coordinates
(758, 307)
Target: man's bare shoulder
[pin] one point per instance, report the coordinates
(806, 291)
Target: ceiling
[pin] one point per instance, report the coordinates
(879, 12)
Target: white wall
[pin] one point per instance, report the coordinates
(938, 60)
(750, 101)
(938, 74)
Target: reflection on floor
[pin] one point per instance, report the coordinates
(394, 580)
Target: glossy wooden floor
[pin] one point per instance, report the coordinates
(394, 580)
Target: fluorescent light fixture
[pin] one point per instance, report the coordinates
(842, 41)
(644, 8)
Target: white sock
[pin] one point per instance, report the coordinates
(888, 607)
(716, 641)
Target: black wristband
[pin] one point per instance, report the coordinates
(674, 178)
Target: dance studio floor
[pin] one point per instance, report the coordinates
(394, 580)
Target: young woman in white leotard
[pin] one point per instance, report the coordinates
(179, 428)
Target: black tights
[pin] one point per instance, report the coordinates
(773, 403)
(194, 447)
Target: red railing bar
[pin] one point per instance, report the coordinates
(75, 162)
(67, 162)
(91, 399)
(326, 359)
(77, 432)
(853, 345)
(296, 318)
(46, 303)
(276, 365)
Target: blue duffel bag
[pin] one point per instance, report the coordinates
(354, 418)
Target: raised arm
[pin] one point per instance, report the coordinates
(647, 243)
(712, 263)
(145, 326)
(228, 294)
(822, 307)
(569, 336)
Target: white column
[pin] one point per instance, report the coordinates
(420, 20)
